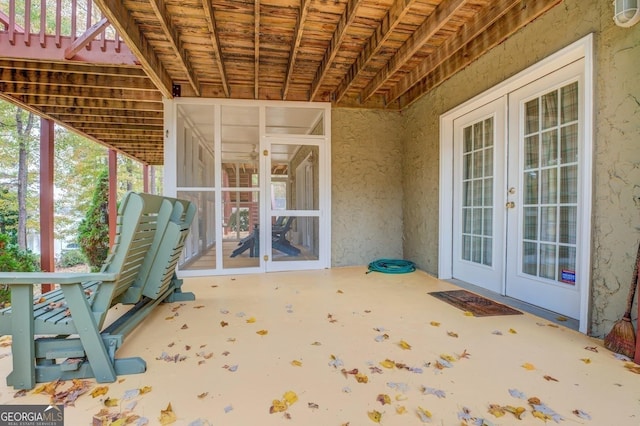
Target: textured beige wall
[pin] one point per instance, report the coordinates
(616, 160)
(366, 180)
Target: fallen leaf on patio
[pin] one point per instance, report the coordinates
(346, 389)
(225, 353)
(290, 396)
(383, 399)
(424, 415)
(335, 362)
(582, 414)
(435, 323)
(228, 408)
(251, 320)
(339, 291)
(497, 332)
(169, 318)
(586, 360)
(382, 337)
(184, 326)
(346, 372)
(202, 361)
(331, 319)
(130, 394)
(402, 387)
(387, 363)
(443, 363)
(262, 332)
(553, 325)
(621, 357)
(543, 412)
(452, 334)
(313, 405)
(401, 409)
(464, 354)
(316, 344)
(632, 367)
(361, 378)
(512, 331)
(223, 323)
(375, 416)
(468, 314)
(496, 410)
(145, 389)
(203, 395)
(516, 411)
(433, 391)
(231, 368)
(231, 339)
(517, 394)
(404, 345)
(111, 402)
(375, 370)
(48, 388)
(296, 363)
(240, 314)
(99, 391)
(401, 397)
(562, 319)
(20, 393)
(167, 416)
(550, 379)
(448, 357)
(591, 348)
(198, 307)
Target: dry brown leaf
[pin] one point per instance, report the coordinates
(375, 416)
(516, 411)
(632, 367)
(262, 332)
(277, 406)
(203, 395)
(296, 363)
(452, 334)
(167, 416)
(512, 331)
(528, 366)
(464, 354)
(387, 363)
(550, 379)
(251, 320)
(586, 360)
(383, 399)
(184, 327)
(361, 378)
(223, 323)
(404, 345)
(99, 391)
(145, 389)
(111, 402)
(435, 323)
(496, 410)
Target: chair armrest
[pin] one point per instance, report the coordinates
(61, 278)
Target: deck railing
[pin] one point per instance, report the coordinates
(51, 21)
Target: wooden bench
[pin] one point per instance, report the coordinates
(64, 336)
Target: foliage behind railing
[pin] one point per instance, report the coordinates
(60, 18)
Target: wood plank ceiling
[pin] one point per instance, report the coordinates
(356, 53)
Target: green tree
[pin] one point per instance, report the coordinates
(94, 228)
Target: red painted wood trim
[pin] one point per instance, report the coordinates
(47, 253)
(113, 194)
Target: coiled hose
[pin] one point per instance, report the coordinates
(392, 266)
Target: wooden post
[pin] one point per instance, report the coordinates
(145, 178)
(47, 253)
(113, 195)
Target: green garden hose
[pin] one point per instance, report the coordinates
(392, 266)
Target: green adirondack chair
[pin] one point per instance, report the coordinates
(75, 314)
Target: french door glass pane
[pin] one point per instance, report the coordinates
(550, 185)
(295, 238)
(477, 193)
(240, 229)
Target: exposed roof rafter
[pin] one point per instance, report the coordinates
(215, 44)
(173, 37)
(122, 21)
(298, 31)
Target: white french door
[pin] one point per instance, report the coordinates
(544, 180)
(517, 179)
(478, 220)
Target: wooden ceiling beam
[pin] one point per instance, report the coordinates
(256, 54)
(48, 100)
(99, 115)
(71, 91)
(298, 31)
(215, 44)
(346, 19)
(46, 77)
(129, 30)
(434, 22)
(488, 29)
(383, 31)
(173, 37)
(75, 68)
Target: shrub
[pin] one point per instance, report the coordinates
(13, 259)
(94, 229)
(71, 258)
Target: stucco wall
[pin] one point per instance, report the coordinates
(366, 186)
(616, 208)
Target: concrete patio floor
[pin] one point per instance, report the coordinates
(249, 340)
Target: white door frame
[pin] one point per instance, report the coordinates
(582, 48)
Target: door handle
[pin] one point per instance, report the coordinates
(510, 205)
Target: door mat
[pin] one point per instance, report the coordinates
(479, 306)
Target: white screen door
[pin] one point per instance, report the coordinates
(544, 180)
(478, 226)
